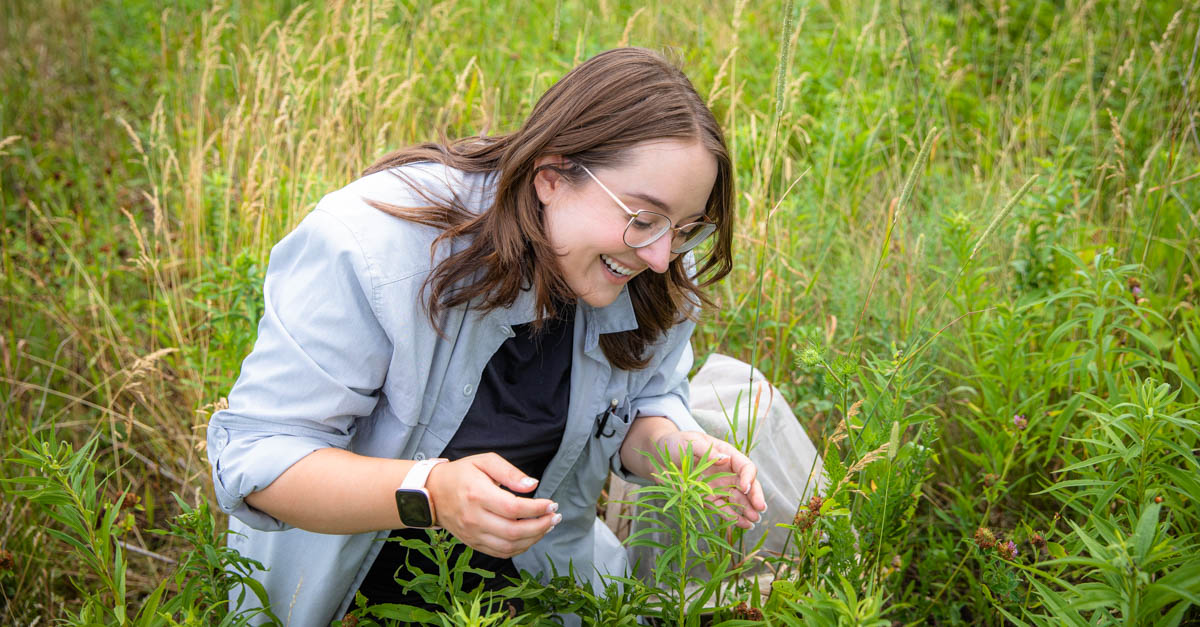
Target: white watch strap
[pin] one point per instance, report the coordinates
(416, 477)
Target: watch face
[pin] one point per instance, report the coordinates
(414, 508)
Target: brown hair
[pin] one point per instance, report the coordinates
(608, 104)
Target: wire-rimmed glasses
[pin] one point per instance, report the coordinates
(645, 227)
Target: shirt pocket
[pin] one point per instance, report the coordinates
(602, 454)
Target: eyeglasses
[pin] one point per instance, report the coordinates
(645, 227)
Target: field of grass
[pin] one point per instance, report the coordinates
(968, 253)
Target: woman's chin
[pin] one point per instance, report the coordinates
(599, 298)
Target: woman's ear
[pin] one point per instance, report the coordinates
(548, 182)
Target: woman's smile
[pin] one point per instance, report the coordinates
(619, 270)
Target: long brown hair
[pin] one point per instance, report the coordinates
(600, 109)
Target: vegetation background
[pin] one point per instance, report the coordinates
(967, 253)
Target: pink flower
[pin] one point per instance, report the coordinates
(1019, 422)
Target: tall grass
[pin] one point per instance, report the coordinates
(909, 291)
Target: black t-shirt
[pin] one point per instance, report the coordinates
(519, 413)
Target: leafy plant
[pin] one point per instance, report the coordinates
(65, 487)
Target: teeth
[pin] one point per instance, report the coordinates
(616, 267)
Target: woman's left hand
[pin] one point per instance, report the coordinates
(739, 495)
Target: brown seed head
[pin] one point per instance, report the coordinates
(6, 560)
(742, 611)
(805, 518)
(815, 503)
(984, 538)
(131, 500)
(1007, 550)
(1037, 541)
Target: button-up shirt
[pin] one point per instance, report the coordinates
(346, 357)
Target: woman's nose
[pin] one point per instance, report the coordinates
(657, 255)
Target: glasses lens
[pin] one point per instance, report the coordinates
(644, 228)
(691, 235)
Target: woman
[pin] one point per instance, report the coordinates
(518, 304)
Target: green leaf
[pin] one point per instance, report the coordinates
(1143, 536)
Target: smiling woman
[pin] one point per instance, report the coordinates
(442, 336)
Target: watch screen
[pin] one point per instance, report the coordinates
(414, 508)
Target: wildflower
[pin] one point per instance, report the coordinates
(990, 479)
(1007, 550)
(984, 538)
(1019, 422)
(743, 611)
(1137, 291)
(6, 560)
(349, 620)
(1037, 541)
(815, 503)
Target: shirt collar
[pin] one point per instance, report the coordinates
(616, 317)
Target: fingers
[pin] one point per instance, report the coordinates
(512, 507)
(485, 495)
(502, 537)
(503, 473)
(735, 504)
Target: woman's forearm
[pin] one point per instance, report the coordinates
(335, 491)
(643, 435)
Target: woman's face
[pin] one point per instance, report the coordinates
(672, 177)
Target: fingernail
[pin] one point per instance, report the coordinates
(551, 528)
(722, 457)
(764, 509)
(551, 508)
(557, 519)
(528, 482)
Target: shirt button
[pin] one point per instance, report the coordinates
(467, 389)
(419, 456)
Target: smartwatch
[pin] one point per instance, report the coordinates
(412, 499)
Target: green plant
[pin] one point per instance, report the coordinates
(65, 487)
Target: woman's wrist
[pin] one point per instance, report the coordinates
(645, 435)
(433, 500)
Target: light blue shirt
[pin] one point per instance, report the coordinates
(346, 357)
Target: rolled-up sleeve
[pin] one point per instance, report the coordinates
(666, 391)
(320, 357)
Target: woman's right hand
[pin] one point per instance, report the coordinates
(469, 503)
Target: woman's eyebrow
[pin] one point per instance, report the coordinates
(661, 206)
